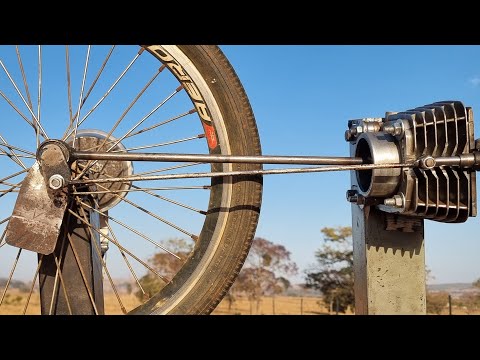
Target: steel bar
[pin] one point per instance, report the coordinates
(244, 173)
(205, 158)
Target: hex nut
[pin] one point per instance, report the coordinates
(56, 182)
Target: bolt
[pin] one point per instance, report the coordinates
(396, 128)
(430, 162)
(427, 162)
(348, 135)
(352, 123)
(56, 182)
(352, 196)
(395, 201)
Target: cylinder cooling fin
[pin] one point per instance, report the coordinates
(442, 130)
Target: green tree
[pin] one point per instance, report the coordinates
(265, 271)
(333, 272)
(166, 265)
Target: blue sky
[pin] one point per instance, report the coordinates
(303, 96)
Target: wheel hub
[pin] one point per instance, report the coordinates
(92, 140)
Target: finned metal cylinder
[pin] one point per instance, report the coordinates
(378, 148)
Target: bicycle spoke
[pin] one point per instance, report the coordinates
(11, 157)
(131, 105)
(13, 175)
(85, 69)
(40, 260)
(13, 152)
(129, 228)
(167, 188)
(199, 136)
(10, 276)
(2, 238)
(161, 123)
(57, 277)
(39, 92)
(124, 256)
(107, 93)
(177, 90)
(79, 265)
(165, 279)
(24, 77)
(69, 86)
(168, 168)
(94, 148)
(82, 272)
(98, 75)
(23, 99)
(11, 189)
(193, 236)
(62, 282)
(99, 254)
(3, 153)
(147, 191)
(18, 111)
(10, 146)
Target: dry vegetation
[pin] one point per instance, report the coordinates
(15, 300)
(278, 305)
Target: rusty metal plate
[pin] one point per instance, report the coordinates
(38, 214)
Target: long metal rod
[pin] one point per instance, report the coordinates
(204, 158)
(244, 173)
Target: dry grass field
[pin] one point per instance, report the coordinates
(279, 305)
(15, 300)
(14, 303)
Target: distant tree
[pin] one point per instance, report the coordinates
(470, 302)
(128, 288)
(333, 272)
(165, 264)
(476, 283)
(436, 302)
(265, 270)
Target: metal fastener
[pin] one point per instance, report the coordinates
(56, 182)
(395, 128)
(396, 201)
(352, 196)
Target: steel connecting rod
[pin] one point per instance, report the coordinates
(322, 163)
(203, 158)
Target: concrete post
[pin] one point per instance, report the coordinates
(389, 265)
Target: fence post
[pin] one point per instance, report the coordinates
(301, 306)
(449, 304)
(273, 304)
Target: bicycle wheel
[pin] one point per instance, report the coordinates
(176, 98)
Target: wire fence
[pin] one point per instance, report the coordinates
(274, 305)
